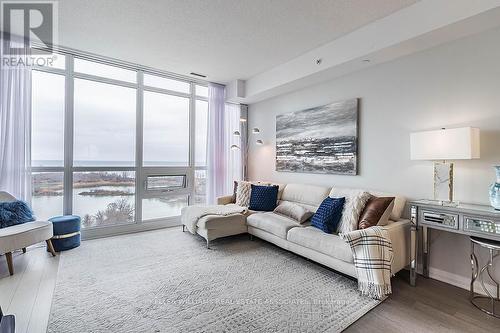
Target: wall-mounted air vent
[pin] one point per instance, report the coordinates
(197, 74)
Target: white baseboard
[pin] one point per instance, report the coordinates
(457, 280)
(93, 233)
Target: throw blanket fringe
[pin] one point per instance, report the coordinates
(374, 291)
(191, 214)
(373, 256)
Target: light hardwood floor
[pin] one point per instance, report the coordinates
(432, 306)
(28, 293)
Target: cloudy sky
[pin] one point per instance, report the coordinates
(332, 120)
(104, 123)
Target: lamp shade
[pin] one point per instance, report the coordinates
(445, 144)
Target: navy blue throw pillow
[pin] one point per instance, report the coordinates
(14, 212)
(328, 215)
(263, 198)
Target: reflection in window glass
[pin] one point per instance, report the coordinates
(201, 133)
(164, 83)
(157, 208)
(166, 130)
(104, 198)
(106, 71)
(104, 124)
(47, 194)
(47, 123)
(201, 91)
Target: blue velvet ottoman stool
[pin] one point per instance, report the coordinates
(66, 232)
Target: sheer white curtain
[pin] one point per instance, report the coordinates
(235, 158)
(15, 123)
(216, 144)
(224, 165)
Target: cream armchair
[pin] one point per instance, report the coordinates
(23, 235)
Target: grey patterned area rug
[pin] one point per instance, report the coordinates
(167, 281)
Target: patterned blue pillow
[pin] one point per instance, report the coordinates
(14, 212)
(263, 198)
(328, 215)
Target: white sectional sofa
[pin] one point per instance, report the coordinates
(303, 239)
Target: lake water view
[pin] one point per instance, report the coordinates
(102, 198)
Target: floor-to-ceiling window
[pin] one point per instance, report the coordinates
(47, 143)
(116, 144)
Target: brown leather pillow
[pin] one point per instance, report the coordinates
(376, 212)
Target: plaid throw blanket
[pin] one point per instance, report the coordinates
(372, 252)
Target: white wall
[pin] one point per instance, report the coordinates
(453, 85)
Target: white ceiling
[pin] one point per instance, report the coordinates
(223, 39)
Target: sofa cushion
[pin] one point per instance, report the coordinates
(328, 215)
(376, 212)
(281, 186)
(305, 194)
(399, 201)
(293, 211)
(14, 212)
(273, 223)
(355, 201)
(263, 198)
(243, 191)
(218, 222)
(399, 204)
(314, 239)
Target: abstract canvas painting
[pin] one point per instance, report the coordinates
(323, 139)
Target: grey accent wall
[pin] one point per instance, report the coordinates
(453, 85)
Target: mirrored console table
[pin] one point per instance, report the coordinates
(466, 219)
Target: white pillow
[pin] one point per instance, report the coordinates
(243, 193)
(244, 190)
(355, 202)
(294, 211)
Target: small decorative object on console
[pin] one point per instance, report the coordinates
(495, 191)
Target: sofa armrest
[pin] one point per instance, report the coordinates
(225, 200)
(399, 233)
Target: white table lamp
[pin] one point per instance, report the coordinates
(441, 146)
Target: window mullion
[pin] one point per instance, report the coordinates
(68, 137)
(139, 188)
(192, 132)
